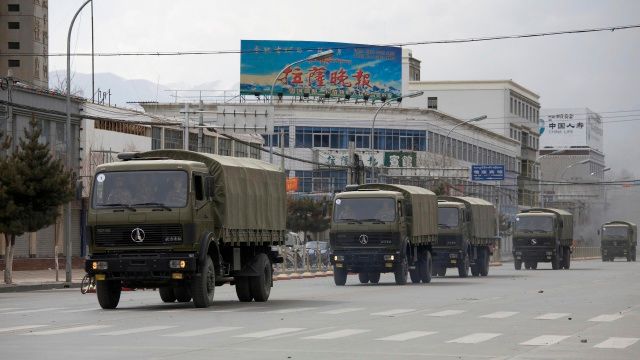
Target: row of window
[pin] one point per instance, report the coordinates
(526, 139)
(321, 180)
(173, 140)
(461, 150)
(524, 109)
(339, 138)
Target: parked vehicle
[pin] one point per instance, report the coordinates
(466, 235)
(618, 239)
(317, 250)
(377, 228)
(185, 222)
(543, 235)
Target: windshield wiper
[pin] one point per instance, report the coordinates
(444, 226)
(375, 221)
(126, 206)
(351, 220)
(160, 205)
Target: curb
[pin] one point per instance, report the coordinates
(35, 287)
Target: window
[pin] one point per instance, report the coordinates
(172, 139)
(13, 7)
(254, 151)
(14, 45)
(241, 150)
(14, 25)
(193, 141)
(156, 138)
(224, 147)
(14, 63)
(209, 144)
(432, 103)
(511, 106)
(275, 137)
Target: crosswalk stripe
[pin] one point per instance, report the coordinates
(69, 330)
(544, 340)
(31, 311)
(616, 343)
(446, 313)
(23, 327)
(336, 334)
(474, 338)
(288, 311)
(393, 312)
(499, 315)
(410, 335)
(206, 331)
(272, 332)
(606, 317)
(341, 311)
(138, 330)
(552, 316)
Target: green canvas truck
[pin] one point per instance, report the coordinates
(618, 239)
(466, 235)
(543, 235)
(379, 228)
(185, 222)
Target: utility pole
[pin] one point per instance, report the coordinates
(185, 131)
(201, 124)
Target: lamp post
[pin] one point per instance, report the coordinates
(540, 197)
(373, 123)
(600, 171)
(569, 167)
(445, 145)
(69, 144)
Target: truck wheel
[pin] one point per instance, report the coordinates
(633, 255)
(374, 277)
(166, 294)
(566, 260)
(339, 275)
(401, 270)
(604, 258)
(463, 266)
(203, 285)
(629, 258)
(517, 264)
(242, 289)
(484, 265)
(261, 285)
(426, 267)
(527, 265)
(108, 293)
(182, 294)
(363, 277)
(534, 265)
(555, 260)
(442, 271)
(414, 273)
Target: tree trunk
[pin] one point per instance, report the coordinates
(8, 259)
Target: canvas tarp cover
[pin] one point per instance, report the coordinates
(424, 207)
(249, 193)
(483, 215)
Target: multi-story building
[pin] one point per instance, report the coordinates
(24, 29)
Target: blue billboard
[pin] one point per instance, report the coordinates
(353, 70)
(487, 172)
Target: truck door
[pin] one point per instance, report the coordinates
(202, 212)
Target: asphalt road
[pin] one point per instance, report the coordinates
(589, 312)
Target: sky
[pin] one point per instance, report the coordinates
(594, 70)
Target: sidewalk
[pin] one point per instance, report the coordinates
(29, 280)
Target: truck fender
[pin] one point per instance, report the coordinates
(207, 240)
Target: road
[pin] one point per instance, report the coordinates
(589, 312)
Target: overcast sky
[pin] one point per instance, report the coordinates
(595, 70)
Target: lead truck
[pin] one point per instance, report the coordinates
(184, 223)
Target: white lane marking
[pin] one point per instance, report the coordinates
(206, 331)
(499, 315)
(616, 343)
(552, 316)
(138, 330)
(393, 312)
(341, 311)
(288, 311)
(606, 317)
(23, 327)
(9, 309)
(410, 335)
(80, 310)
(474, 338)
(32, 311)
(544, 340)
(69, 330)
(446, 313)
(336, 334)
(272, 332)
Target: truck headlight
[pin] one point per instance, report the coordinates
(389, 257)
(99, 265)
(177, 264)
(338, 258)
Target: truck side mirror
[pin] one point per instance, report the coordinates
(598, 231)
(79, 187)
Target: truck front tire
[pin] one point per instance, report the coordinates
(181, 294)
(363, 277)
(463, 266)
(261, 284)
(339, 275)
(401, 270)
(566, 258)
(166, 294)
(108, 293)
(203, 285)
(517, 264)
(374, 277)
(426, 267)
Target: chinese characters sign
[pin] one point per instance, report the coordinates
(354, 70)
(487, 172)
(399, 159)
(571, 127)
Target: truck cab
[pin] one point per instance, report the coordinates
(618, 239)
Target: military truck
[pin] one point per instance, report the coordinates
(466, 235)
(618, 239)
(185, 222)
(543, 235)
(379, 228)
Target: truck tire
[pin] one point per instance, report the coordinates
(181, 294)
(243, 291)
(414, 273)
(555, 260)
(484, 265)
(534, 265)
(463, 266)
(527, 265)
(374, 277)
(633, 255)
(363, 277)
(566, 258)
(108, 292)
(339, 276)
(166, 294)
(442, 271)
(401, 270)
(261, 285)
(629, 258)
(426, 267)
(517, 264)
(203, 285)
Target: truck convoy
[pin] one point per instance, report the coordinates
(618, 239)
(466, 235)
(543, 235)
(185, 222)
(379, 228)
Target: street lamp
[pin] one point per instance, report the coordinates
(445, 146)
(373, 123)
(572, 165)
(600, 171)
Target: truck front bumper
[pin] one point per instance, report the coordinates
(142, 268)
(537, 254)
(359, 261)
(615, 251)
(448, 257)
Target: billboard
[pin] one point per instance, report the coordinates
(353, 70)
(563, 128)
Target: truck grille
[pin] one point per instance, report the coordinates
(534, 242)
(138, 235)
(364, 239)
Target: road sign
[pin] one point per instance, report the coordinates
(487, 172)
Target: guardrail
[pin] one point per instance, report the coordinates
(580, 252)
(299, 260)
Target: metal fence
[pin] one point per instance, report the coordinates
(580, 252)
(300, 259)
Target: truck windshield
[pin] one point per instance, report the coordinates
(534, 224)
(615, 231)
(130, 189)
(447, 218)
(364, 209)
